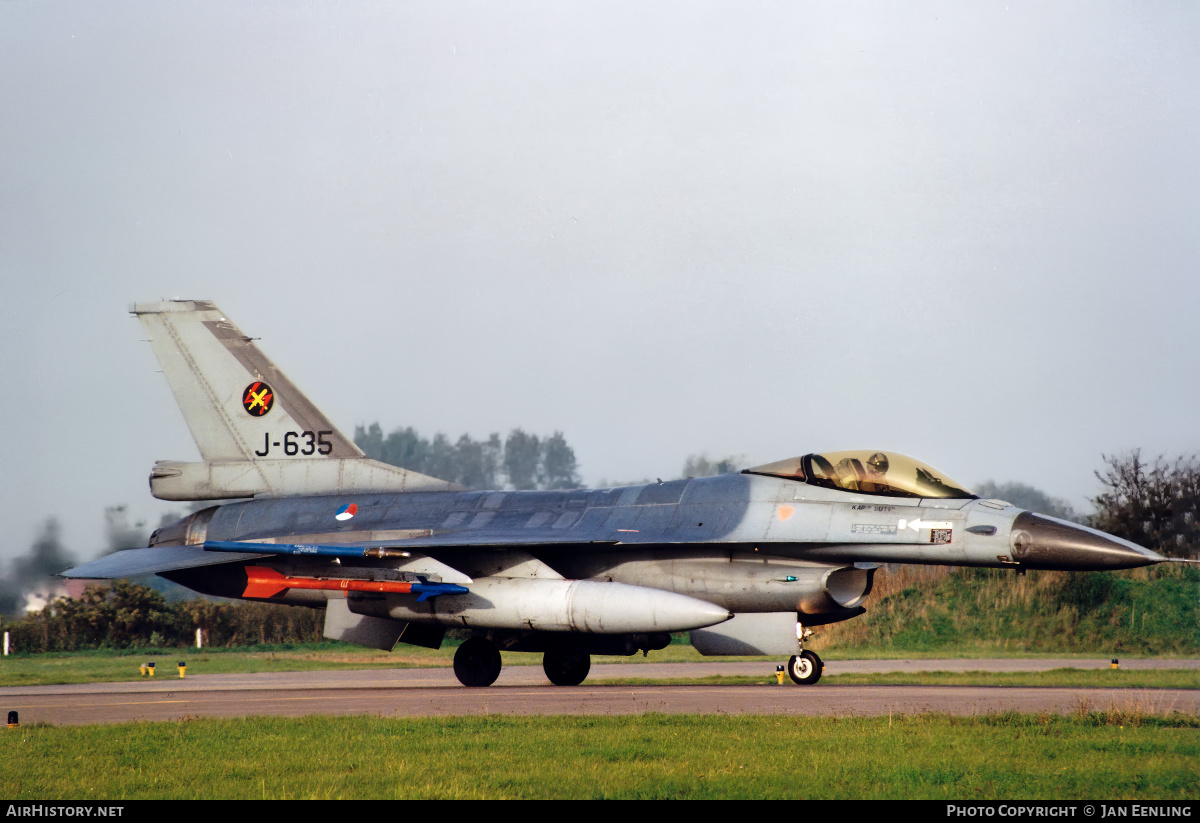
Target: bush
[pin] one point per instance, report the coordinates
(126, 615)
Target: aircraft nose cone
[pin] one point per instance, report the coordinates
(1038, 541)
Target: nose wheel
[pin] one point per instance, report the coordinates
(805, 668)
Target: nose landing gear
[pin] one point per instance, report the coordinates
(805, 668)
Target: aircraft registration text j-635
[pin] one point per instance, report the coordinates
(747, 563)
(313, 443)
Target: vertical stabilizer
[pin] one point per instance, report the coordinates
(257, 434)
(231, 395)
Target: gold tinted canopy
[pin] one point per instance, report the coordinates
(867, 472)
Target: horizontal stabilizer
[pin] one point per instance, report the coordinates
(137, 562)
(221, 480)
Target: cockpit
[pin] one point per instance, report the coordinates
(866, 472)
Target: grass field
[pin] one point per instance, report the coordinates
(1145, 752)
(1088, 755)
(113, 666)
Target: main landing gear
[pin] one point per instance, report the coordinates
(566, 669)
(805, 668)
(477, 664)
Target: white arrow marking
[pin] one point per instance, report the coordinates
(917, 525)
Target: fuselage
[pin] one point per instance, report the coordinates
(748, 543)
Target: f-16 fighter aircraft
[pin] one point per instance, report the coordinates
(747, 562)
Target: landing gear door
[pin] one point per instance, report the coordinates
(765, 633)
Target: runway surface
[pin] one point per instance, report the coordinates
(523, 690)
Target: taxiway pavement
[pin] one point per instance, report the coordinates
(523, 690)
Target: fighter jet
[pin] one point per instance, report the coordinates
(747, 563)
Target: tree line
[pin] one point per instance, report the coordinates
(1155, 503)
(122, 614)
(1151, 502)
(520, 461)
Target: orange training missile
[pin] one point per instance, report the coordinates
(264, 582)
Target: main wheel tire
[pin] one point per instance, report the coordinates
(805, 668)
(566, 669)
(477, 662)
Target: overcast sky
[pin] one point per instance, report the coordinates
(963, 231)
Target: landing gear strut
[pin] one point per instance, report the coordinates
(805, 668)
(566, 669)
(477, 662)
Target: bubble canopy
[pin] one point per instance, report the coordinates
(867, 472)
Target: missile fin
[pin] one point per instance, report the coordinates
(261, 582)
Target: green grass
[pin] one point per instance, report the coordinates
(1153, 611)
(115, 666)
(1009, 757)
(1065, 678)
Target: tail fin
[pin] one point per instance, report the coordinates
(228, 390)
(257, 434)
